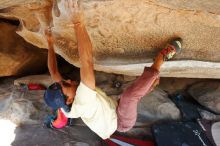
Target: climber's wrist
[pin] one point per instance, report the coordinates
(78, 24)
(50, 41)
(48, 34)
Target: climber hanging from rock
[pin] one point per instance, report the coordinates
(100, 113)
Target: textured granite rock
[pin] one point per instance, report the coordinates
(43, 79)
(23, 107)
(17, 57)
(207, 94)
(127, 32)
(156, 106)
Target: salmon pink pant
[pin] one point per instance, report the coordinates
(127, 108)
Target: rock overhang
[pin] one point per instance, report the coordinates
(129, 33)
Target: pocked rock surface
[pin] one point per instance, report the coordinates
(125, 32)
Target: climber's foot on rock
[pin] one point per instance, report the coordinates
(172, 48)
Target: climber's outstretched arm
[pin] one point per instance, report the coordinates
(51, 60)
(85, 56)
(84, 44)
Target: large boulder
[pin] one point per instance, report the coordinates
(43, 79)
(21, 107)
(125, 32)
(157, 106)
(18, 57)
(207, 94)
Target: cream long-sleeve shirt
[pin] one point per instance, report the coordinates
(96, 109)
